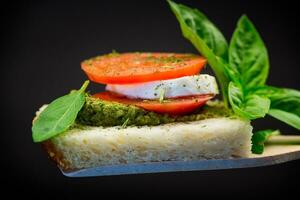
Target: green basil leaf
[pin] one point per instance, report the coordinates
(207, 39)
(259, 138)
(250, 106)
(248, 56)
(285, 104)
(193, 22)
(59, 115)
(287, 117)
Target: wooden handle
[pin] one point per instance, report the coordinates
(284, 139)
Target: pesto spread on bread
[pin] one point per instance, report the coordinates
(96, 112)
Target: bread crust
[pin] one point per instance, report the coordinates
(56, 156)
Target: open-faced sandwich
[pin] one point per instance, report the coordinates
(160, 107)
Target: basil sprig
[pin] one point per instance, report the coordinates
(59, 115)
(241, 69)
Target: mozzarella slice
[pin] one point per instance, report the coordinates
(183, 86)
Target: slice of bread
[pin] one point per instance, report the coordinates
(214, 138)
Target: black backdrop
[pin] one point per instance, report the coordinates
(43, 43)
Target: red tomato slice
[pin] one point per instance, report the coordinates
(174, 106)
(124, 68)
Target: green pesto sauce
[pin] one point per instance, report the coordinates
(97, 112)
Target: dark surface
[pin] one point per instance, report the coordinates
(42, 45)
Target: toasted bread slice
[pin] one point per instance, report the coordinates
(88, 146)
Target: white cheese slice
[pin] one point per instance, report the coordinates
(171, 88)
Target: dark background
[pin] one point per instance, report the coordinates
(42, 45)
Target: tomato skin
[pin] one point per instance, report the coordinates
(174, 106)
(141, 67)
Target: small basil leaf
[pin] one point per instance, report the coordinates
(250, 106)
(248, 55)
(207, 39)
(259, 138)
(285, 104)
(59, 115)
